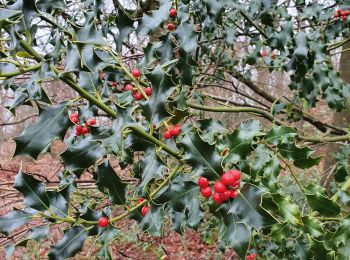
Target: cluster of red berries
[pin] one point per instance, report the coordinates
(251, 256)
(144, 209)
(343, 14)
(172, 131)
(102, 222)
(172, 14)
(79, 129)
(225, 189)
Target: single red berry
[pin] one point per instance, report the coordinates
(344, 17)
(144, 211)
(224, 196)
(254, 255)
(172, 12)
(217, 198)
(85, 130)
(219, 187)
(236, 174)
(206, 192)
(148, 91)
(347, 12)
(228, 179)
(203, 182)
(233, 193)
(175, 131)
(140, 200)
(263, 53)
(78, 129)
(74, 115)
(129, 87)
(248, 257)
(136, 73)
(167, 135)
(138, 96)
(339, 11)
(103, 222)
(114, 84)
(75, 120)
(91, 121)
(171, 26)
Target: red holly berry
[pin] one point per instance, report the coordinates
(237, 184)
(138, 96)
(224, 196)
(254, 255)
(140, 200)
(78, 130)
(148, 91)
(263, 53)
(233, 193)
(206, 192)
(203, 182)
(144, 211)
(114, 84)
(228, 179)
(236, 174)
(91, 121)
(347, 12)
(129, 87)
(172, 12)
(175, 131)
(344, 17)
(102, 222)
(74, 118)
(85, 130)
(217, 198)
(167, 135)
(171, 26)
(219, 187)
(136, 73)
(339, 11)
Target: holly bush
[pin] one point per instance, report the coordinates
(139, 71)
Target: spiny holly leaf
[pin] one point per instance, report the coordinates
(37, 233)
(125, 26)
(81, 154)
(301, 156)
(58, 203)
(182, 196)
(149, 23)
(162, 86)
(186, 66)
(13, 220)
(153, 221)
(239, 142)
(234, 235)
(108, 178)
(71, 243)
(341, 238)
(33, 191)
(53, 123)
(246, 208)
(280, 134)
(186, 37)
(203, 157)
(210, 128)
(312, 226)
(151, 167)
(164, 52)
(319, 201)
(107, 236)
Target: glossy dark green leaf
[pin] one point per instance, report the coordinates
(280, 134)
(33, 191)
(71, 243)
(107, 236)
(109, 179)
(301, 156)
(153, 221)
(58, 203)
(186, 37)
(319, 201)
(37, 233)
(125, 27)
(202, 156)
(162, 86)
(13, 220)
(53, 124)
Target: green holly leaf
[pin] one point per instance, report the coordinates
(319, 201)
(109, 179)
(301, 156)
(125, 27)
(107, 236)
(210, 129)
(149, 23)
(58, 203)
(162, 86)
(33, 191)
(151, 167)
(153, 221)
(186, 37)
(13, 220)
(312, 226)
(37, 233)
(280, 134)
(82, 153)
(202, 156)
(71, 243)
(53, 124)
